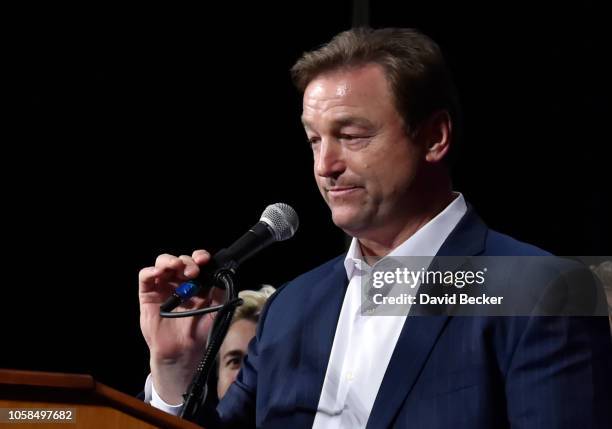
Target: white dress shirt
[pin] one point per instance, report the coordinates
(363, 345)
(153, 399)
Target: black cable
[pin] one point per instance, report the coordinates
(176, 314)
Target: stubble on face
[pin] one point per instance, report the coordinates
(364, 161)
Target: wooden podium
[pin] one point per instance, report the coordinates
(95, 405)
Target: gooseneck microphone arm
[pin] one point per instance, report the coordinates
(197, 391)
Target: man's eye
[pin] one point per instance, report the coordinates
(350, 137)
(313, 140)
(234, 362)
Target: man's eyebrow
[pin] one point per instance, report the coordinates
(233, 353)
(353, 120)
(345, 121)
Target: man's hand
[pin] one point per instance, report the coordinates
(176, 345)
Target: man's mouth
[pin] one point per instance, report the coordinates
(341, 191)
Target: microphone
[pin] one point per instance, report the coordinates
(278, 222)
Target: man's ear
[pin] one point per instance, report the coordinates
(435, 133)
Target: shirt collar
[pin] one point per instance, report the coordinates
(426, 241)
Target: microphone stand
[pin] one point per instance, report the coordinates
(196, 393)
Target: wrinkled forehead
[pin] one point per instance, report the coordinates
(353, 96)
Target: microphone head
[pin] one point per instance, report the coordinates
(282, 220)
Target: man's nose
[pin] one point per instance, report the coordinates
(329, 160)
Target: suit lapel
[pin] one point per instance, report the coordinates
(468, 237)
(420, 333)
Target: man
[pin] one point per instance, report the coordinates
(242, 330)
(380, 113)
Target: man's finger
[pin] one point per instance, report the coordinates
(201, 256)
(147, 276)
(191, 269)
(167, 261)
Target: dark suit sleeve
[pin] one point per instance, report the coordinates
(560, 375)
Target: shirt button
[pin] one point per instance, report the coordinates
(350, 376)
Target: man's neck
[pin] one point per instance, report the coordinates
(376, 245)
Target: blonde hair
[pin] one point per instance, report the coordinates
(254, 301)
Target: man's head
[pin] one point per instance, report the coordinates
(378, 112)
(241, 331)
(416, 72)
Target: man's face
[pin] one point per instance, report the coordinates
(232, 352)
(364, 162)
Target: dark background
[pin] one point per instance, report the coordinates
(137, 130)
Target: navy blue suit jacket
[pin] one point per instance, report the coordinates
(459, 372)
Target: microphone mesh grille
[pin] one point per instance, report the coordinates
(282, 219)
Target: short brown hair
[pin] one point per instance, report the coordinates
(413, 63)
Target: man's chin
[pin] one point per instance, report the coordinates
(348, 221)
